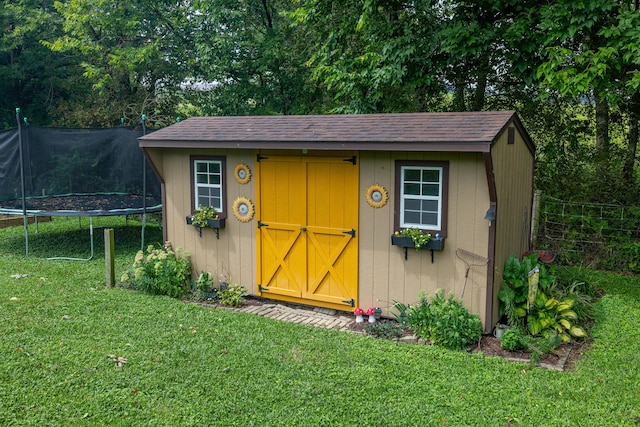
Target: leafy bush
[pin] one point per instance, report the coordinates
(233, 296)
(161, 271)
(512, 339)
(204, 282)
(444, 321)
(539, 312)
(386, 330)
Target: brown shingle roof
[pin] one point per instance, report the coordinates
(469, 131)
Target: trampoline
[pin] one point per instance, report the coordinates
(75, 172)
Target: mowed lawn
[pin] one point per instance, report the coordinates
(62, 333)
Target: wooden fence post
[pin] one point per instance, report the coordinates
(109, 253)
(535, 217)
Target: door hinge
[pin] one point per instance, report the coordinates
(351, 302)
(262, 224)
(262, 288)
(351, 160)
(261, 157)
(352, 232)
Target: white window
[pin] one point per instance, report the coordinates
(421, 197)
(208, 183)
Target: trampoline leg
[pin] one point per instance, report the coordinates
(26, 235)
(144, 223)
(91, 235)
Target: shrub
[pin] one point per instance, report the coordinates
(204, 282)
(160, 271)
(233, 296)
(536, 309)
(386, 330)
(444, 322)
(512, 339)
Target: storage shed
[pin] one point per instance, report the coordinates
(308, 204)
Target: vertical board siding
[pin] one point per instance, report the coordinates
(385, 276)
(513, 170)
(231, 256)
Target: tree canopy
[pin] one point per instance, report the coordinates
(570, 68)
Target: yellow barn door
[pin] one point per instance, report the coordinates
(307, 242)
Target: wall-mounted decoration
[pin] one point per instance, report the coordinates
(377, 196)
(243, 209)
(242, 173)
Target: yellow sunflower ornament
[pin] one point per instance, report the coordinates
(242, 173)
(377, 196)
(243, 209)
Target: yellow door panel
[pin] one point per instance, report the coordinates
(283, 259)
(281, 247)
(307, 235)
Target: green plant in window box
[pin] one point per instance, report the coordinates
(420, 239)
(202, 214)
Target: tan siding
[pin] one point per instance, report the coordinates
(233, 255)
(513, 170)
(385, 276)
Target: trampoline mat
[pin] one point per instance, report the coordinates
(95, 204)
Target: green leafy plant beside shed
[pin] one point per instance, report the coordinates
(527, 303)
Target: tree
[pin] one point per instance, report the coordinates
(252, 59)
(130, 51)
(373, 55)
(593, 48)
(31, 76)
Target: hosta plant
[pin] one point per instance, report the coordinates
(233, 296)
(548, 316)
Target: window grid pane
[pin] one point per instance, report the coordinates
(208, 183)
(421, 197)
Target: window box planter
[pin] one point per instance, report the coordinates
(216, 224)
(406, 242)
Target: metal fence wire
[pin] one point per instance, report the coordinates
(585, 232)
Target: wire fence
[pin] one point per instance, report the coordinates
(597, 235)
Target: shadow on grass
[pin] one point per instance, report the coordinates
(68, 237)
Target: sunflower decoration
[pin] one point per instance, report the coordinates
(243, 209)
(377, 196)
(242, 173)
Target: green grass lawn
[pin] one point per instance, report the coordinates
(191, 365)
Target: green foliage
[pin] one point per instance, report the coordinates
(59, 324)
(515, 287)
(420, 238)
(512, 339)
(202, 214)
(444, 322)
(550, 317)
(384, 329)
(544, 316)
(541, 346)
(204, 282)
(233, 296)
(160, 271)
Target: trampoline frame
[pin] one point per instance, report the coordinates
(89, 213)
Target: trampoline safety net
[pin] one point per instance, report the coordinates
(75, 170)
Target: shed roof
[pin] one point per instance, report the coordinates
(467, 131)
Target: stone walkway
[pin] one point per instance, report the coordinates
(319, 317)
(311, 316)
